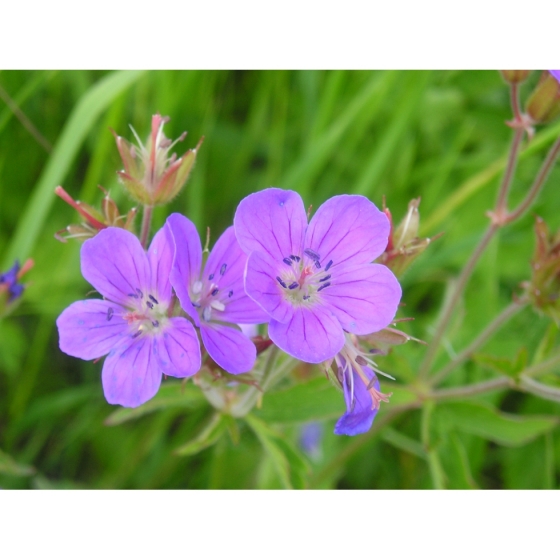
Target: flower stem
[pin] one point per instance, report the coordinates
(542, 367)
(472, 390)
(146, 222)
(540, 389)
(485, 335)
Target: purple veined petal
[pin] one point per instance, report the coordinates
(186, 262)
(226, 268)
(348, 229)
(178, 349)
(160, 255)
(311, 335)
(272, 221)
(263, 287)
(228, 347)
(359, 417)
(89, 329)
(115, 264)
(364, 298)
(131, 373)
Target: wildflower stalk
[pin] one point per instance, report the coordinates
(146, 222)
(472, 390)
(540, 389)
(434, 464)
(542, 367)
(511, 310)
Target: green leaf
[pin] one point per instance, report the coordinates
(9, 466)
(403, 442)
(209, 435)
(171, 394)
(290, 466)
(505, 366)
(485, 421)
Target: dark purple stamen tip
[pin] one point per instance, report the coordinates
(135, 296)
(327, 277)
(155, 323)
(293, 285)
(150, 304)
(312, 254)
(136, 334)
(328, 265)
(211, 277)
(153, 299)
(109, 313)
(295, 258)
(306, 297)
(230, 293)
(214, 291)
(317, 264)
(195, 304)
(140, 292)
(323, 286)
(223, 269)
(287, 261)
(281, 282)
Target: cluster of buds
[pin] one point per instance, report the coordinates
(10, 287)
(543, 104)
(150, 174)
(544, 288)
(94, 220)
(404, 245)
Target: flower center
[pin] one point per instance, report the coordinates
(207, 296)
(145, 314)
(303, 277)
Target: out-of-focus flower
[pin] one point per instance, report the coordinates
(310, 438)
(543, 104)
(11, 288)
(213, 295)
(316, 281)
(404, 245)
(544, 288)
(95, 220)
(133, 323)
(151, 175)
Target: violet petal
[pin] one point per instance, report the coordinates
(160, 255)
(178, 349)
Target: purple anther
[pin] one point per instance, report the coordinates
(153, 299)
(330, 263)
(293, 285)
(211, 277)
(327, 277)
(281, 282)
(109, 313)
(312, 255)
(287, 261)
(223, 269)
(323, 286)
(215, 291)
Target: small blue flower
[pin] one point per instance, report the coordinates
(9, 282)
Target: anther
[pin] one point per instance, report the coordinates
(109, 313)
(312, 254)
(323, 286)
(211, 277)
(136, 334)
(223, 269)
(327, 277)
(214, 291)
(281, 282)
(306, 297)
(230, 293)
(328, 265)
(361, 361)
(206, 313)
(317, 264)
(150, 304)
(140, 292)
(287, 261)
(295, 258)
(195, 304)
(293, 285)
(155, 323)
(153, 299)
(135, 296)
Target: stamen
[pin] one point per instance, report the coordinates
(230, 293)
(287, 261)
(155, 323)
(330, 263)
(109, 313)
(223, 269)
(211, 277)
(137, 334)
(135, 296)
(281, 282)
(317, 264)
(323, 286)
(328, 277)
(153, 299)
(195, 304)
(150, 304)
(312, 255)
(217, 305)
(306, 297)
(197, 287)
(206, 313)
(295, 258)
(140, 292)
(215, 291)
(293, 285)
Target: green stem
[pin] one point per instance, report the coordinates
(473, 390)
(146, 222)
(436, 471)
(482, 338)
(543, 367)
(540, 389)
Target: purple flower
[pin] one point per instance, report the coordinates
(316, 281)
(9, 282)
(213, 296)
(132, 324)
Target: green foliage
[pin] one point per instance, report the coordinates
(435, 135)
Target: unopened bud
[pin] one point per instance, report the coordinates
(543, 105)
(515, 76)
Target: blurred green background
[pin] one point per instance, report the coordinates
(439, 135)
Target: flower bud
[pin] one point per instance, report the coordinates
(404, 245)
(10, 288)
(95, 220)
(515, 76)
(150, 175)
(543, 105)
